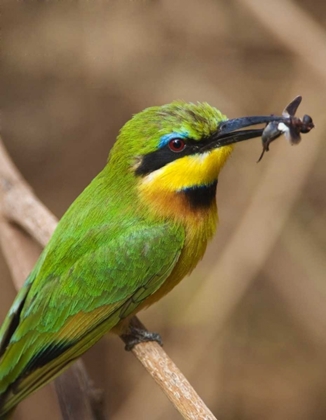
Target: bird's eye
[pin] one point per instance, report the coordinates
(177, 145)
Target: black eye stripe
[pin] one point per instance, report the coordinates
(161, 157)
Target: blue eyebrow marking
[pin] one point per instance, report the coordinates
(164, 140)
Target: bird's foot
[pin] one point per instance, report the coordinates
(137, 333)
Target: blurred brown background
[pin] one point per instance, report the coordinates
(248, 327)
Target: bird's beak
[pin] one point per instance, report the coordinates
(230, 132)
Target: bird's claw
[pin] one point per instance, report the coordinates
(136, 335)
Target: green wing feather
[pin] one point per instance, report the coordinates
(61, 316)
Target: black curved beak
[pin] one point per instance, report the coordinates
(230, 132)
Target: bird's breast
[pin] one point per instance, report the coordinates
(195, 211)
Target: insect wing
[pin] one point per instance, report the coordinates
(291, 109)
(292, 135)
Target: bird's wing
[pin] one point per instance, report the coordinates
(10, 323)
(67, 315)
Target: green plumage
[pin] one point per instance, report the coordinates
(97, 262)
(108, 254)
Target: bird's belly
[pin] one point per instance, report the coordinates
(197, 235)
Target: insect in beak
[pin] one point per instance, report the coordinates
(291, 127)
(230, 132)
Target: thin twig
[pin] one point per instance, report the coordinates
(19, 204)
(72, 403)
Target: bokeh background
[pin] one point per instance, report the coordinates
(248, 327)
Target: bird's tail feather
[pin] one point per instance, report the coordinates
(24, 386)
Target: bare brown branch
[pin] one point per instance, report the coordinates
(71, 386)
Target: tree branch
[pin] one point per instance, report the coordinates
(18, 204)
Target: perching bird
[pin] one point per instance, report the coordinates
(138, 229)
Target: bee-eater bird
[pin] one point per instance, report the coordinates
(138, 229)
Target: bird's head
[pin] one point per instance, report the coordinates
(176, 151)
